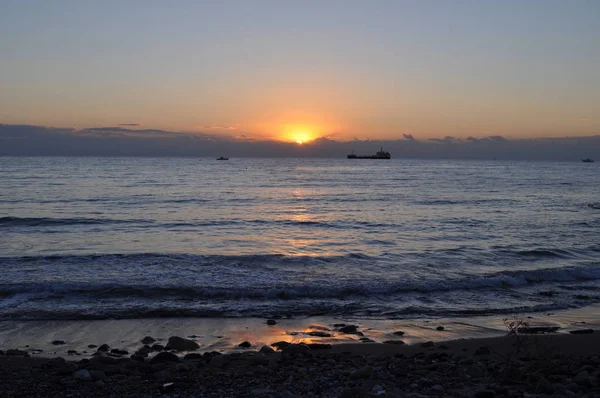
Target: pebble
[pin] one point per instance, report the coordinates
(181, 344)
(266, 350)
(82, 375)
(148, 340)
(58, 342)
(485, 394)
(582, 331)
(182, 367)
(362, 373)
(439, 328)
(97, 375)
(103, 348)
(271, 322)
(245, 344)
(165, 357)
(348, 329)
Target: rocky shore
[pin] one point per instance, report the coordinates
(547, 365)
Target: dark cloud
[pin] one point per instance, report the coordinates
(408, 137)
(120, 141)
(129, 124)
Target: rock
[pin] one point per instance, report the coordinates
(485, 394)
(192, 355)
(181, 344)
(105, 359)
(271, 322)
(339, 325)
(162, 375)
(483, 350)
(245, 344)
(164, 357)
(280, 345)
(92, 346)
(582, 331)
(137, 358)
(352, 392)
(72, 352)
(439, 328)
(116, 351)
(296, 349)
(319, 334)
(398, 333)
(397, 342)
(362, 373)
(260, 391)
(82, 375)
(582, 378)
(182, 367)
(266, 350)
(144, 351)
(167, 387)
(348, 329)
(158, 347)
(437, 388)
(103, 348)
(97, 375)
(475, 372)
(16, 353)
(428, 344)
(148, 340)
(58, 342)
(367, 340)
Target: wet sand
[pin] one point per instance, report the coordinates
(224, 334)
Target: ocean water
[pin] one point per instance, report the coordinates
(96, 238)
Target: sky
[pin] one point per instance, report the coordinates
(295, 71)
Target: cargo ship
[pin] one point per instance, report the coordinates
(381, 154)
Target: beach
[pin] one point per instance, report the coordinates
(525, 366)
(319, 357)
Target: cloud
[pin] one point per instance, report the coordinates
(219, 127)
(129, 124)
(408, 137)
(25, 140)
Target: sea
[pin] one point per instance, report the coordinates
(124, 238)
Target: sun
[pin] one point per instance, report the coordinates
(300, 134)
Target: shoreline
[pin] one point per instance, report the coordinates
(225, 334)
(470, 357)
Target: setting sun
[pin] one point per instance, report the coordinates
(299, 134)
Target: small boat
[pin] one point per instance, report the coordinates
(222, 158)
(381, 154)
(587, 160)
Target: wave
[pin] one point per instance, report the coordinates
(276, 285)
(48, 221)
(54, 222)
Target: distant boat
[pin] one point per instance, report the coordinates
(381, 154)
(587, 160)
(222, 158)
